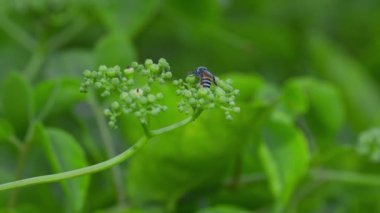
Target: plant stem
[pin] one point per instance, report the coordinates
(24, 150)
(35, 62)
(100, 166)
(345, 177)
(17, 33)
(106, 140)
(176, 125)
(77, 172)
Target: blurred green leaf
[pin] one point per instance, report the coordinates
(171, 160)
(17, 102)
(53, 97)
(201, 11)
(295, 96)
(327, 107)
(68, 63)
(129, 16)
(6, 129)
(115, 49)
(65, 154)
(223, 209)
(285, 158)
(358, 88)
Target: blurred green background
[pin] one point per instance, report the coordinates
(307, 71)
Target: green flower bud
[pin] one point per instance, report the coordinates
(130, 82)
(154, 68)
(98, 85)
(143, 99)
(159, 96)
(148, 62)
(128, 99)
(191, 79)
(107, 112)
(124, 95)
(112, 124)
(175, 82)
(167, 75)
(187, 93)
(163, 62)
(203, 92)
(146, 89)
(236, 109)
(82, 89)
(105, 93)
(201, 101)
(111, 73)
(115, 105)
(219, 91)
(87, 73)
(138, 114)
(134, 64)
(103, 68)
(192, 101)
(129, 71)
(210, 97)
(180, 108)
(229, 117)
(145, 72)
(115, 81)
(151, 98)
(155, 111)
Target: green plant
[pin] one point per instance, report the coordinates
(129, 91)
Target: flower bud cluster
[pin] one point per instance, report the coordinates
(369, 144)
(129, 90)
(194, 96)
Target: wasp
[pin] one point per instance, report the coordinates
(206, 77)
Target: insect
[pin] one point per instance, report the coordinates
(206, 77)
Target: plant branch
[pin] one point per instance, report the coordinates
(77, 172)
(17, 33)
(345, 177)
(176, 125)
(100, 166)
(35, 62)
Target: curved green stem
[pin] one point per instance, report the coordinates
(176, 125)
(345, 177)
(100, 166)
(17, 33)
(77, 172)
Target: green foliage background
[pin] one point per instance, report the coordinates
(307, 71)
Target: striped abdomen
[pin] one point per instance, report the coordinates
(206, 80)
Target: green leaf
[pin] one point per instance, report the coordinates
(285, 157)
(295, 97)
(128, 15)
(201, 11)
(358, 88)
(65, 154)
(164, 170)
(56, 96)
(224, 209)
(17, 102)
(6, 129)
(115, 49)
(68, 63)
(327, 108)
